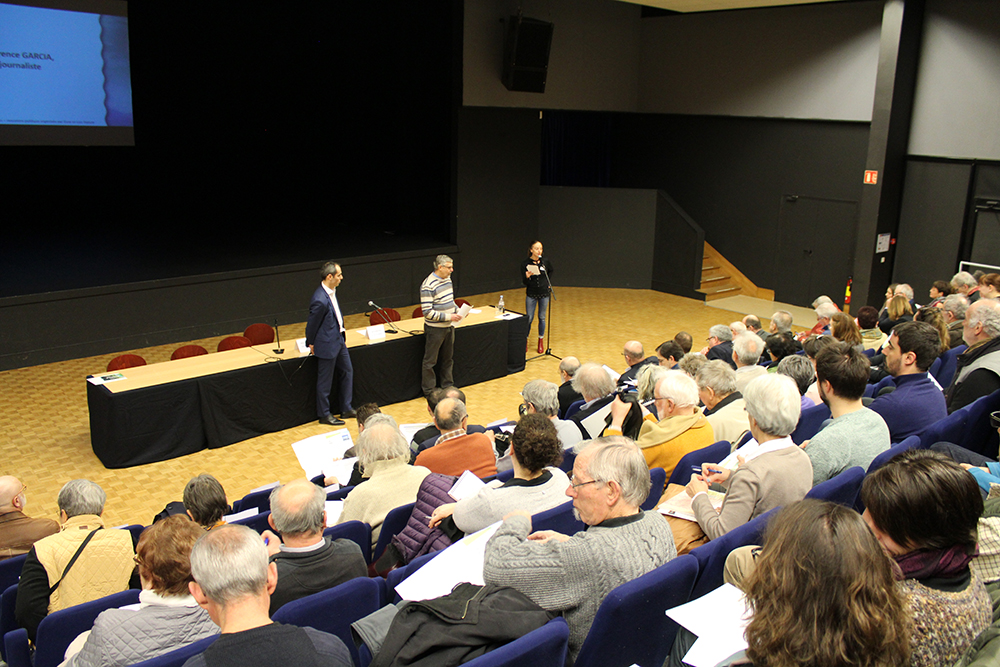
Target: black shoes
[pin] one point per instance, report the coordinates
(350, 414)
(330, 420)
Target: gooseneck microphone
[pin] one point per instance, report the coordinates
(385, 317)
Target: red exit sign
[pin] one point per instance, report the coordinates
(871, 177)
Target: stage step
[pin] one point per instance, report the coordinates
(720, 279)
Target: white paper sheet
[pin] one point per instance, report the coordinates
(611, 373)
(464, 311)
(375, 332)
(300, 344)
(461, 562)
(317, 453)
(466, 486)
(334, 508)
(410, 430)
(105, 378)
(342, 469)
(719, 619)
(245, 514)
(265, 487)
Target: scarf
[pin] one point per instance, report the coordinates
(927, 563)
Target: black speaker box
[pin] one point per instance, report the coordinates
(526, 54)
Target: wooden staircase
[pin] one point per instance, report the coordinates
(720, 279)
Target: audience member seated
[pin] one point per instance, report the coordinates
(167, 617)
(775, 473)
(691, 363)
(540, 396)
(724, 407)
(871, 336)
(456, 450)
(567, 394)
(205, 501)
(779, 346)
(938, 292)
(856, 435)
(989, 286)
(747, 348)
(681, 428)
(684, 339)
(572, 575)
(17, 530)
(595, 385)
(904, 290)
(636, 358)
(362, 413)
(822, 593)
(233, 582)
(812, 346)
(917, 402)
(889, 293)
(307, 562)
(924, 510)
(752, 323)
(954, 309)
(965, 283)
(103, 567)
(978, 371)
(537, 485)
(669, 354)
(781, 322)
(846, 330)
(802, 371)
(824, 318)
(720, 345)
(899, 311)
(384, 457)
(933, 317)
(431, 431)
(737, 328)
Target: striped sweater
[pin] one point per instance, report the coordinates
(437, 300)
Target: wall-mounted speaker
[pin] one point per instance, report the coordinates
(526, 54)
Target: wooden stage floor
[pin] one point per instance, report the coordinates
(45, 425)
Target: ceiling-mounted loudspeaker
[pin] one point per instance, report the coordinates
(526, 54)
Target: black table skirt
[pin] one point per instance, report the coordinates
(178, 418)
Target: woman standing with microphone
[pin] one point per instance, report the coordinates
(535, 276)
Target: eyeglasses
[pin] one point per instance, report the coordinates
(575, 486)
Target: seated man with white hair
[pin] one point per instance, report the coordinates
(597, 389)
(724, 405)
(681, 427)
(233, 582)
(573, 574)
(542, 397)
(775, 473)
(720, 344)
(747, 348)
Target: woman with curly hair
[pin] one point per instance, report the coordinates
(934, 318)
(845, 330)
(823, 594)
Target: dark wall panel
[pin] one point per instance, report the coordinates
(730, 174)
(930, 223)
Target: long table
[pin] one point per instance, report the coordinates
(162, 411)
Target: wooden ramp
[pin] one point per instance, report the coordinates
(720, 279)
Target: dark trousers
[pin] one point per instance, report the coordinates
(440, 346)
(326, 370)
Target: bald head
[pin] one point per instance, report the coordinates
(633, 352)
(449, 414)
(10, 489)
(297, 508)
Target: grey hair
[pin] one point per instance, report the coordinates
(691, 363)
(544, 395)
(328, 268)
(956, 304)
(737, 328)
(782, 320)
(81, 496)
(751, 321)
(679, 387)
(774, 402)
(905, 290)
(633, 350)
(442, 259)
(646, 379)
(452, 419)
(618, 459)
(748, 348)
(721, 331)
(800, 369)
(826, 310)
(592, 381)
(820, 300)
(380, 441)
(964, 279)
(303, 520)
(229, 563)
(718, 376)
(987, 313)
(569, 366)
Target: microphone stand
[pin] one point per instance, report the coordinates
(385, 317)
(552, 297)
(277, 338)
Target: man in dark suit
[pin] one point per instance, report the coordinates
(635, 357)
(720, 344)
(567, 395)
(325, 338)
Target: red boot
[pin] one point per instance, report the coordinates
(541, 346)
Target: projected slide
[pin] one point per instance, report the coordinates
(63, 68)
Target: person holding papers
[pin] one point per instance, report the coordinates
(537, 484)
(776, 473)
(437, 300)
(538, 289)
(385, 459)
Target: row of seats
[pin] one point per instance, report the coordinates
(386, 315)
(255, 334)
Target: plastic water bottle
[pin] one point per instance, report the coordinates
(500, 305)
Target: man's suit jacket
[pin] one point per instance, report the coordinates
(630, 374)
(723, 351)
(323, 327)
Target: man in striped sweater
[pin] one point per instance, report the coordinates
(437, 300)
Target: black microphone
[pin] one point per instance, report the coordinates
(385, 317)
(277, 338)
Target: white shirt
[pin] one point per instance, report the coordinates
(332, 293)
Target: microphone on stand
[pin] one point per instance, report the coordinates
(277, 338)
(385, 317)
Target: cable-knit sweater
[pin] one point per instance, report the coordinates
(945, 622)
(573, 577)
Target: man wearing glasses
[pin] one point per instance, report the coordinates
(18, 531)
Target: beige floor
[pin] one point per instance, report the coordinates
(45, 430)
(762, 308)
